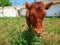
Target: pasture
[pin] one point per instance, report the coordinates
(14, 31)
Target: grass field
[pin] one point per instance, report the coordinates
(14, 31)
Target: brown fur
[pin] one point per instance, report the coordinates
(35, 15)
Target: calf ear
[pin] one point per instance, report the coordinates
(48, 5)
(28, 6)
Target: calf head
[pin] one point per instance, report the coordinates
(35, 14)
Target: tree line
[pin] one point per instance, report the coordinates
(5, 3)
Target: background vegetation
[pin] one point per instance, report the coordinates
(14, 31)
(5, 3)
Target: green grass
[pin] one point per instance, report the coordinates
(14, 31)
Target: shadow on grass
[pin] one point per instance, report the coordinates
(28, 37)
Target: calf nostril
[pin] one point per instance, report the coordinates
(38, 32)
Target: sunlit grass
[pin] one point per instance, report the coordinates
(14, 31)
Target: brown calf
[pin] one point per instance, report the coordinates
(35, 15)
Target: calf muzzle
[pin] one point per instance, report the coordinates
(38, 32)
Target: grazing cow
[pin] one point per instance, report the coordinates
(35, 14)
